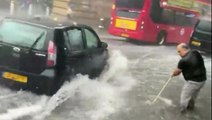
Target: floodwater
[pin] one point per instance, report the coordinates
(124, 91)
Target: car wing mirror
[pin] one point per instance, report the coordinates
(104, 45)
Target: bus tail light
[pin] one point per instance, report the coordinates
(111, 20)
(164, 3)
(142, 25)
(113, 6)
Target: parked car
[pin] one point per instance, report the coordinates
(41, 54)
(201, 37)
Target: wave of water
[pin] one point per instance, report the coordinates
(83, 98)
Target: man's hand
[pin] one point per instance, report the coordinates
(176, 72)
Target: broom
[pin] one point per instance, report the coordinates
(161, 90)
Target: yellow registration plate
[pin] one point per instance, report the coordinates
(126, 24)
(196, 43)
(15, 77)
(124, 35)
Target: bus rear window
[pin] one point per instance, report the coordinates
(127, 13)
(130, 4)
(184, 19)
(204, 26)
(129, 8)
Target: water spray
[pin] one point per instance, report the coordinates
(47, 11)
(12, 7)
(156, 98)
(30, 9)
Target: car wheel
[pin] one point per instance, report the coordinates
(161, 39)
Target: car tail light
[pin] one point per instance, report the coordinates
(52, 51)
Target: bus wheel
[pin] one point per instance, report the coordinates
(161, 39)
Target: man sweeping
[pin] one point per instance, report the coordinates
(193, 69)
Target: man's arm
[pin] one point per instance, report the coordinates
(176, 72)
(179, 68)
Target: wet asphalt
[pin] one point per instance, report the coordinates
(136, 74)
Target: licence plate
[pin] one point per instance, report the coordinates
(124, 35)
(15, 77)
(196, 43)
(126, 24)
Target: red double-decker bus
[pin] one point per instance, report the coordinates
(156, 21)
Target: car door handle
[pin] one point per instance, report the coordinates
(75, 54)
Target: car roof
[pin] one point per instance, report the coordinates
(44, 22)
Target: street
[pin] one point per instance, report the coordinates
(123, 92)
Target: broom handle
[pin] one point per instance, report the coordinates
(161, 90)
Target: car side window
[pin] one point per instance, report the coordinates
(67, 43)
(75, 39)
(91, 38)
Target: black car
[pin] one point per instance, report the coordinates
(40, 54)
(201, 37)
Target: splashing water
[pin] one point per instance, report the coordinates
(87, 99)
(83, 98)
(19, 112)
(117, 67)
(68, 90)
(99, 98)
(167, 101)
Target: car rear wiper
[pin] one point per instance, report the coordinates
(37, 40)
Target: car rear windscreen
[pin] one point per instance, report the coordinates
(24, 35)
(129, 8)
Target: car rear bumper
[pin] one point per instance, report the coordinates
(38, 82)
(202, 45)
(128, 34)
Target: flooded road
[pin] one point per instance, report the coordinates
(153, 67)
(125, 91)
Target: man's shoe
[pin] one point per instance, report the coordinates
(191, 105)
(183, 110)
